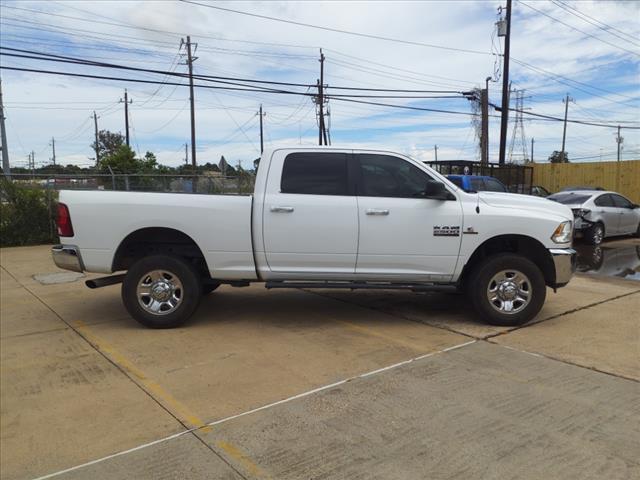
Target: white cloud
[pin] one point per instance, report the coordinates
(39, 106)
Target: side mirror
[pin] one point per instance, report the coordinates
(437, 191)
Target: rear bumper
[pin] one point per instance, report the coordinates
(565, 262)
(67, 257)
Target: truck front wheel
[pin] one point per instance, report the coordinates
(507, 290)
(161, 291)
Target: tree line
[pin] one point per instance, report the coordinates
(117, 157)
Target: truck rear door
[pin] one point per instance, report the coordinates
(310, 215)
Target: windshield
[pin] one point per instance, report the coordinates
(569, 198)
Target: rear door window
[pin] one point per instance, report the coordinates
(315, 173)
(604, 201)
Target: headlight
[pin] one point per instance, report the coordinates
(562, 233)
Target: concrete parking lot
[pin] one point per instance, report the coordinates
(315, 384)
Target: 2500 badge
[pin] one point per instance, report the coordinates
(446, 231)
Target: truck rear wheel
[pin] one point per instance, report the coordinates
(161, 291)
(507, 290)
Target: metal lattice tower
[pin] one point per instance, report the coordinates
(518, 147)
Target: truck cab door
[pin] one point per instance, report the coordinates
(310, 215)
(402, 234)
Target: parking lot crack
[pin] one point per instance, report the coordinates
(568, 312)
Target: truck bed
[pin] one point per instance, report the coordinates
(219, 224)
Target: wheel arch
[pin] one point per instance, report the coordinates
(158, 240)
(524, 245)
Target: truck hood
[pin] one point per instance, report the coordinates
(526, 202)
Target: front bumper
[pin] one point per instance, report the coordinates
(67, 257)
(565, 262)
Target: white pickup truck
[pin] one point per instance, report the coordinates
(321, 218)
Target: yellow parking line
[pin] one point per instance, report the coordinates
(241, 457)
(169, 401)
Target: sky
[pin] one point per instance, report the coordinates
(589, 50)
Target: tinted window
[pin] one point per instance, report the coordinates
(604, 201)
(315, 173)
(569, 198)
(457, 181)
(620, 201)
(477, 184)
(493, 185)
(387, 176)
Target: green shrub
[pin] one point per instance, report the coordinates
(26, 215)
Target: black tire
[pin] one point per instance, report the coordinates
(184, 283)
(482, 277)
(207, 288)
(594, 234)
(638, 231)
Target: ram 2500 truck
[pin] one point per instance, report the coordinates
(321, 218)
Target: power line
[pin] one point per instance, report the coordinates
(153, 30)
(395, 68)
(577, 29)
(613, 124)
(556, 77)
(215, 87)
(605, 27)
(337, 30)
(217, 79)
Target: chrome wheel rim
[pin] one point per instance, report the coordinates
(598, 234)
(509, 292)
(159, 292)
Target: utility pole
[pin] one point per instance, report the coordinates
(484, 143)
(186, 153)
(97, 146)
(532, 142)
(126, 102)
(564, 130)
(190, 60)
(6, 170)
(32, 163)
(619, 141)
(504, 120)
(435, 148)
(53, 147)
(322, 132)
(261, 132)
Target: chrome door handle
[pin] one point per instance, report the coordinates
(282, 209)
(377, 211)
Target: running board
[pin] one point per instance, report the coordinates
(415, 287)
(105, 281)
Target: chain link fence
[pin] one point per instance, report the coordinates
(28, 201)
(204, 184)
